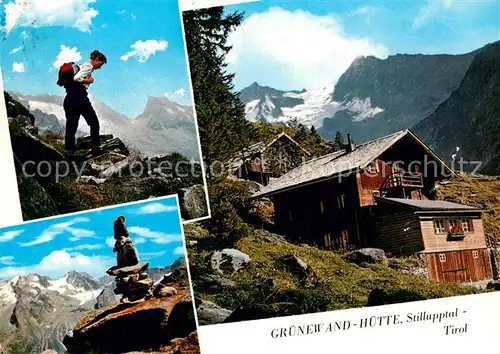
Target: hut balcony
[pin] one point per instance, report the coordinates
(404, 179)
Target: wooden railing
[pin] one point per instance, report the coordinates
(406, 179)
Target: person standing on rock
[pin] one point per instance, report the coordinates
(77, 103)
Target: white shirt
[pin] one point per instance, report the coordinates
(85, 72)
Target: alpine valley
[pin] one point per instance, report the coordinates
(36, 312)
(163, 127)
(449, 101)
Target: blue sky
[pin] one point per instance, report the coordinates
(142, 40)
(309, 44)
(84, 241)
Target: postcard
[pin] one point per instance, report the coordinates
(99, 107)
(109, 280)
(353, 164)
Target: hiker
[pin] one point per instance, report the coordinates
(77, 103)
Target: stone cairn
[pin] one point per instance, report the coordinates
(131, 280)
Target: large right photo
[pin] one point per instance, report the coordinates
(352, 153)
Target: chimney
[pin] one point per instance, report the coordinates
(350, 145)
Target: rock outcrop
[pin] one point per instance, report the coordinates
(300, 269)
(229, 260)
(367, 255)
(158, 324)
(82, 181)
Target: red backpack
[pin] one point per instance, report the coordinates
(67, 72)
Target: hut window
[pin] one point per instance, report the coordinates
(373, 167)
(439, 226)
(341, 201)
(454, 222)
(467, 225)
(475, 254)
(442, 257)
(328, 241)
(321, 206)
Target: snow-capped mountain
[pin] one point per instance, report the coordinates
(310, 108)
(36, 311)
(372, 98)
(163, 127)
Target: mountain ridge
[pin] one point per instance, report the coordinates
(163, 126)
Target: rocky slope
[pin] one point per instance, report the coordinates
(85, 182)
(162, 128)
(469, 118)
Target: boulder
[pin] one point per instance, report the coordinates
(164, 291)
(367, 255)
(92, 180)
(494, 284)
(193, 202)
(84, 141)
(187, 345)
(214, 283)
(181, 320)
(209, 313)
(122, 272)
(300, 269)
(145, 326)
(229, 260)
(36, 202)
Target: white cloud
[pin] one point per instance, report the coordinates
(15, 50)
(133, 16)
(110, 241)
(365, 11)
(58, 263)
(144, 49)
(155, 236)
(146, 256)
(7, 260)
(121, 12)
(18, 67)
(311, 54)
(104, 25)
(66, 55)
(24, 35)
(84, 247)
(39, 13)
(179, 250)
(140, 240)
(180, 92)
(10, 235)
(155, 208)
(429, 10)
(57, 229)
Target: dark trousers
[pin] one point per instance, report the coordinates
(75, 105)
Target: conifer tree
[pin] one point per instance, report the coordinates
(223, 128)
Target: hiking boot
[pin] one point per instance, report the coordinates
(97, 151)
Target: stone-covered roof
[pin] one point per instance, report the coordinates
(333, 164)
(428, 204)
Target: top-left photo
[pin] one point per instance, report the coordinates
(99, 106)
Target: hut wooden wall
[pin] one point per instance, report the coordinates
(439, 242)
(308, 222)
(397, 230)
(459, 266)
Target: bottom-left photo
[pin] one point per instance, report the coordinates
(109, 280)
